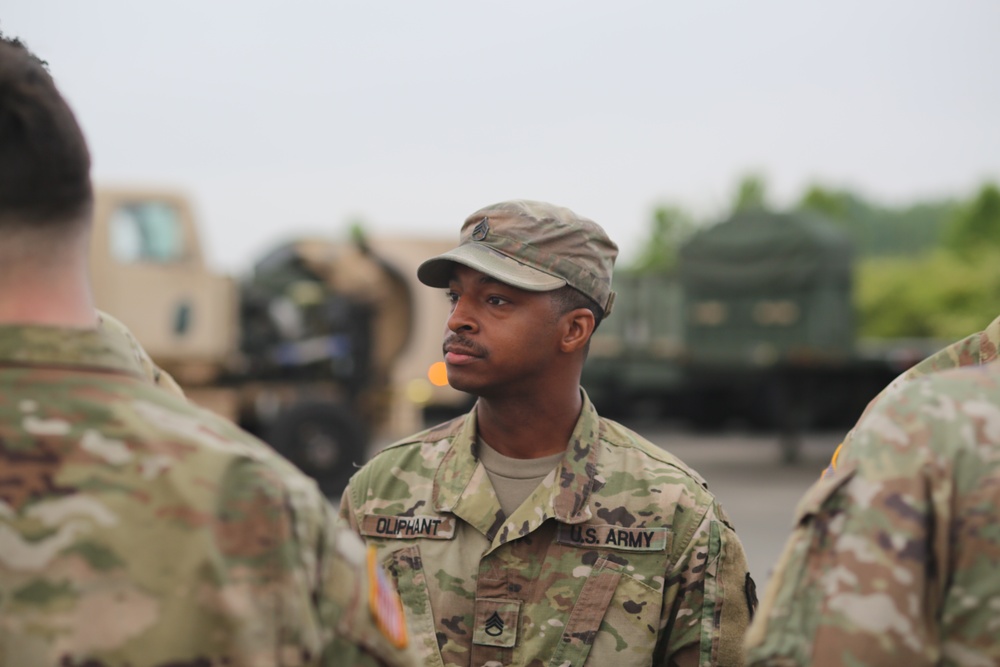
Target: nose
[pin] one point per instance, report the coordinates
(461, 317)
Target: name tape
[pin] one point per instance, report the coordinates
(408, 527)
(614, 537)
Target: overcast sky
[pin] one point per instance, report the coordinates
(286, 117)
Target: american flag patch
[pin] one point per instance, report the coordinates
(384, 602)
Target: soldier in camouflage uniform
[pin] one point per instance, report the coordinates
(894, 556)
(135, 528)
(113, 327)
(532, 531)
(974, 350)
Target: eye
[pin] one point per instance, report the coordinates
(452, 297)
(495, 300)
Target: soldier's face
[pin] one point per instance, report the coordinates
(500, 339)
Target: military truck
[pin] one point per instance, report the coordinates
(755, 325)
(320, 346)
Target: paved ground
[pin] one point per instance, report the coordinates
(745, 472)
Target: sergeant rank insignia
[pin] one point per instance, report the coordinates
(494, 625)
(480, 231)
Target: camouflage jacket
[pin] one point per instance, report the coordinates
(893, 560)
(137, 529)
(974, 350)
(620, 556)
(112, 326)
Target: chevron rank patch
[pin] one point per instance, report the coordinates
(481, 230)
(386, 608)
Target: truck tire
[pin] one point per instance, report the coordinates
(323, 440)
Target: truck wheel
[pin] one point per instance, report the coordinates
(323, 440)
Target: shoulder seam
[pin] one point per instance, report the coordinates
(659, 455)
(432, 434)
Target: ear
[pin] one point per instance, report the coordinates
(578, 324)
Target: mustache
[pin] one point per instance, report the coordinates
(459, 343)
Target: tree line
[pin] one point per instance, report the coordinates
(928, 269)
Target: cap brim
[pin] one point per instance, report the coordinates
(437, 271)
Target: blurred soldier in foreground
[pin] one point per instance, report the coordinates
(136, 529)
(974, 350)
(111, 326)
(532, 531)
(894, 556)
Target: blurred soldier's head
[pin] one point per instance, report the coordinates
(45, 188)
(46, 199)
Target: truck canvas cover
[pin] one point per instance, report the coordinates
(758, 251)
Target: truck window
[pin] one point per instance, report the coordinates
(146, 232)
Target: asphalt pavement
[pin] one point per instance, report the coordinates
(745, 472)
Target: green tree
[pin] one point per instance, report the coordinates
(881, 231)
(939, 295)
(751, 193)
(975, 226)
(836, 205)
(671, 225)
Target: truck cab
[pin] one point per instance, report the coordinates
(321, 346)
(148, 269)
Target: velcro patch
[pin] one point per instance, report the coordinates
(496, 622)
(613, 537)
(408, 527)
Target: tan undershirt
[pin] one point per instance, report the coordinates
(514, 479)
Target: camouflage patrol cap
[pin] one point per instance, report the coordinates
(534, 246)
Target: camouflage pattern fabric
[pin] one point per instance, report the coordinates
(620, 557)
(534, 246)
(137, 529)
(893, 560)
(112, 326)
(977, 349)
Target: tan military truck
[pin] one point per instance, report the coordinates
(323, 345)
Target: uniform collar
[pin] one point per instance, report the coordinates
(462, 487)
(32, 345)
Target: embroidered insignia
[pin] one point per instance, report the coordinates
(386, 608)
(481, 230)
(494, 625)
(613, 537)
(496, 621)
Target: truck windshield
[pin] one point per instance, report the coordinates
(146, 232)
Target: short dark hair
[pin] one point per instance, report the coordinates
(569, 298)
(44, 161)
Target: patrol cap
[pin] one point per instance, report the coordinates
(534, 246)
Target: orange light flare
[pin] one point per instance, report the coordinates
(438, 374)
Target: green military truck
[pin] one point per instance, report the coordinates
(756, 325)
